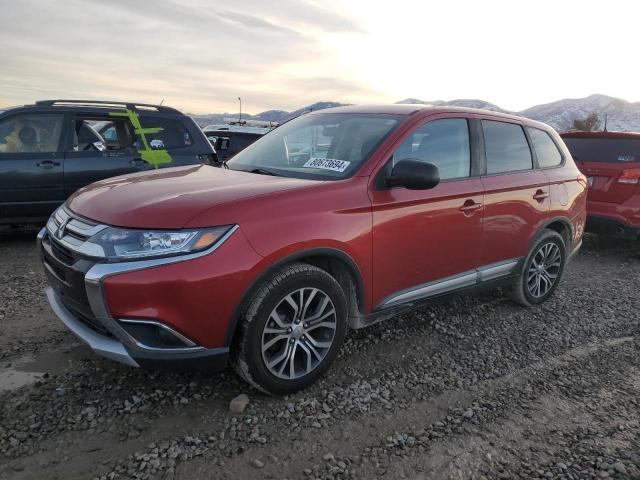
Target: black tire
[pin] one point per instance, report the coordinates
(521, 291)
(247, 355)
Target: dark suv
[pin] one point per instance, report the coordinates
(50, 149)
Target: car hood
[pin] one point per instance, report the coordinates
(169, 198)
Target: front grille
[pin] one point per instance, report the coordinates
(64, 254)
(90, 322)
(69, 234)
(58, 271)
(61, 253)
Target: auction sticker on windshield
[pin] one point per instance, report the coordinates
(327, 164)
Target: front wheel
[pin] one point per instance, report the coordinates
(292, 330)
(542, 270)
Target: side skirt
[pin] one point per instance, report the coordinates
(484, 278)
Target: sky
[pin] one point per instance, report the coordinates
(201, 55)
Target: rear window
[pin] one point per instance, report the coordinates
(506, 147)
(547, 153)
(173, 133)
(608, 150)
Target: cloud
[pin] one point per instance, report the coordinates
(197, 55)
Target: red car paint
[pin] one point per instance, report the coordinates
(612, 206)
(396, 238)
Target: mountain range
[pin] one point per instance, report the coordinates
(621, 115)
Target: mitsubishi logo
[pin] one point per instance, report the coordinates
(61, 227)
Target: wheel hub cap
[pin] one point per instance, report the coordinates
(298, 333)
(544, 269)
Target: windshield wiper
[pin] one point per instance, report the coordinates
(264, 171)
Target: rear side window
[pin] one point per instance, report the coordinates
(608, 150)
(547, 153)
(173, 133)
(506, 147)
(445, 143)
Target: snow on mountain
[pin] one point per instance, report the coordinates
(462, 102)
(622, 115)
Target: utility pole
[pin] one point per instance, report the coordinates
(606, 117)
(240, 116)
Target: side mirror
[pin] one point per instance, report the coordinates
(414, 175)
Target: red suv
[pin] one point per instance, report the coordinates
(611, 161)
(335, 220)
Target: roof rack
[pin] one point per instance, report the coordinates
(129, 105)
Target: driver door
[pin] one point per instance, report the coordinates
(89, 157)
(427, 242)
(31, 169)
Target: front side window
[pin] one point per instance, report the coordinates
(506, 147)
(31, 133)
(173, 133)
(547, 153)
(445, 143)
(323, 146)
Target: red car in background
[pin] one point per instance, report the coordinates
(335, 220)
(611, 162)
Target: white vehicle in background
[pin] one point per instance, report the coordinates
(234, 136)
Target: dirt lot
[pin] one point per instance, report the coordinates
(473, 388)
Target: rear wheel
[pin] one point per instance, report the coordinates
(292, 330)
(542, 270)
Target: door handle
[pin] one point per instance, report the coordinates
(469, 207)
(47, 164)
(541, 195)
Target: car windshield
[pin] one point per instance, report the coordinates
(607, 150)
(323, 146)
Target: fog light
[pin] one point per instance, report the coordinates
(152, 334)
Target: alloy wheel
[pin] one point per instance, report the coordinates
(544, 269)
(299, 333)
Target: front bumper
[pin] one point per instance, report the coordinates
(77, 298)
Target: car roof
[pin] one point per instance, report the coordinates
(426, 110)
(92, 106)
(618, 135)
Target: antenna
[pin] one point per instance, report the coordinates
(606, 116)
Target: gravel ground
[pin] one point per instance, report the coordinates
(476, 387)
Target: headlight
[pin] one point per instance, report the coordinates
(127, 244)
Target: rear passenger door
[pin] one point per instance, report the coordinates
(562, 182)
(516, 194)
(90, 157)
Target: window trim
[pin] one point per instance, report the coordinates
(534, 163)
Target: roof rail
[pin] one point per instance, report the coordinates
(129, 105)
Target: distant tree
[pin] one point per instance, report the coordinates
(589, 124)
